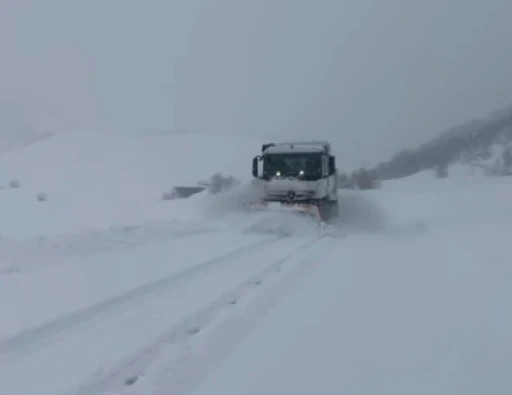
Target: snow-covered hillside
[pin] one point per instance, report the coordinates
(481, 146)
(94, 179)
(106, 288)
(15, 130)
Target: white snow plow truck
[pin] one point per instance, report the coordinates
(299, 175)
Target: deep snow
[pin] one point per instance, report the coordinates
(107, 288)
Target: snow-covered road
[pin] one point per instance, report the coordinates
(364, 314)
(127, 318)
(377, 317)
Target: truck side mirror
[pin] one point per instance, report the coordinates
(255, 166)
(332, 165)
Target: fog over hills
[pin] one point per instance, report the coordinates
(373, 77)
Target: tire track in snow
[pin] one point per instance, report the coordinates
(33, 339)
(128, 371)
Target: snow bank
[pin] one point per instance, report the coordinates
(39, 252)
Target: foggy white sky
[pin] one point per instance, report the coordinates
(370, 73)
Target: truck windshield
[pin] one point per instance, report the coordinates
(307, 166)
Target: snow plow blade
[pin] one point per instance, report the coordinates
(309, 210)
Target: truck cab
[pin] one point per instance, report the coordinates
(298, 172)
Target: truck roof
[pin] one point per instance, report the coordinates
(298, 147)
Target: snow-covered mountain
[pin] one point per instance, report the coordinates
(479, 146)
